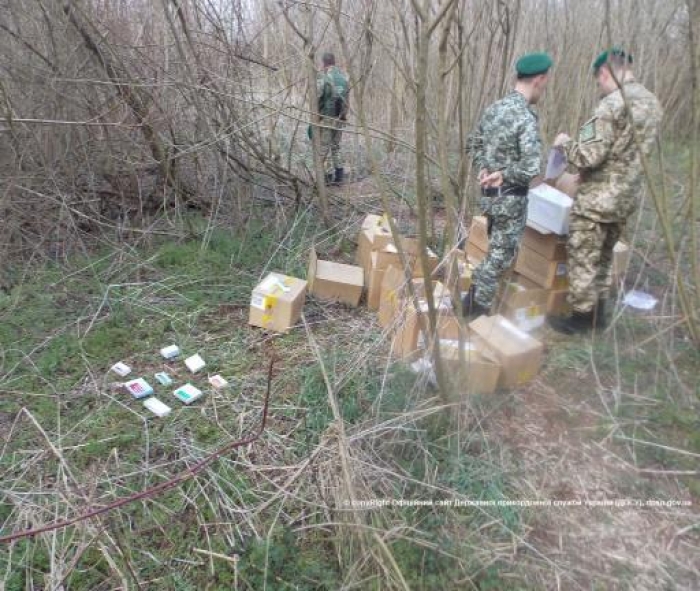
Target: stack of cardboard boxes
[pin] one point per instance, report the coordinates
(479, 357)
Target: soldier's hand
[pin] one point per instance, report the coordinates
(493, 180)
(561, 139)
(483, 173)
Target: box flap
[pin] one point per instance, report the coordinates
(281, 286)
(340, 273)
(504, 336)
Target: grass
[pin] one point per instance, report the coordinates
(652, 394)
(63, 329)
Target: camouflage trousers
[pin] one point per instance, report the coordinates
(590, 248)
(505, 234)
(330, 140)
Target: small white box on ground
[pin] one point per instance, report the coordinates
(218, 382)
(187, 393)
(170, 352)
(121, 369)
(157, 407)
(194, 363)
(163, 378)
(139, 388)
(549, 209)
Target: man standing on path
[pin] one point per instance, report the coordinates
(332, 91)
(506, 150)
(608, 156)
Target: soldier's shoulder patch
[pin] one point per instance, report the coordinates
(587, 133)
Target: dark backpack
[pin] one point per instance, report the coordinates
(339, 92)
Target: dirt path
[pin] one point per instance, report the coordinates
(559, 452)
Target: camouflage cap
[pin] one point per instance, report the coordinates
(603, 57)
(532, 64)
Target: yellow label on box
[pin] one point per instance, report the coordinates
(525, 376)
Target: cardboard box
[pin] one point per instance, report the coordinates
(549, 209)
(375, 234)
(621, 259)
(276, 302)
(408, 340)
(557, 304)
(390, 292)
(551, 246)
(405, 342)
(525, 306)
(394, 294)
(449, 328)
(474, 254)
(478, 233)
(518, 353)
(567, 183)
(474, 373)
(389, 255)
(375, 276)
(545, 273)
(460, 280)
(335, 282)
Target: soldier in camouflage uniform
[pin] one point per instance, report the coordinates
(506, 150)
(608, 156)
(332, 92)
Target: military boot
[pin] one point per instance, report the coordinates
(339, 174)
(329, 178)
(576, 323)
(601, 318)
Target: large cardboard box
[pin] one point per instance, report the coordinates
(474, 254)
(405, 343)
(478, 233)
(621, 259)
(408, 340)
(335, 282)
(449, 327)
(557, 304)
(567, 183)
(551, 246)
(474, 373)
(277, 302)
(549, 209)
(524, 305)
(375, 234)
(518, 353)
(394, 295)
(375, 276)
(390, 294)
(459, 278)
(377, 269)
(389, 255)
(545, 273)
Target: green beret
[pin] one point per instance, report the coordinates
(532, 64)
(603, 57)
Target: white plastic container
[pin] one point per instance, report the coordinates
(549, 209)
(170, 352)
(121, 369)
(158, 408)
(139, 388)
(194, 363)
(218, 382)
(187, 393)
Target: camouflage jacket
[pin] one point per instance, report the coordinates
(332, 85)
(507, 139)
(607, 156)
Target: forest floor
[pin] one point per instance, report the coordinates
(609, 433)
